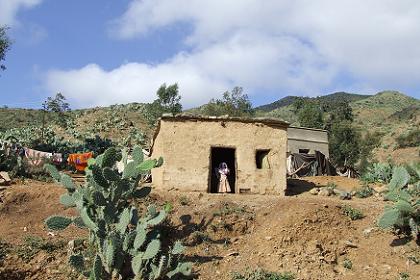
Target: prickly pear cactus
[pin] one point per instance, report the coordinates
(404, 215)
(128, 245)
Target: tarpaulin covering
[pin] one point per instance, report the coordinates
(309, 165)
(79, 161)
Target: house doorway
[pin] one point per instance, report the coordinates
(217, 156)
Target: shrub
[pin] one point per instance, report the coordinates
(411, 139)
(4, 249)
(364, 192)
(261, 274)
(404, 276)
(128, 245)
(404, 215)
(183, 200)
(34, 244)
(352, 213)
(347, 264)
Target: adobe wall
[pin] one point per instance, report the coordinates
(306, 138)
(186, 146)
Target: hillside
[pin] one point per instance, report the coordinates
(389, 112)
(329, 98)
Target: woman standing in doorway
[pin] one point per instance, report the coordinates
(223, 171)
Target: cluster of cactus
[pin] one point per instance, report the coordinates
(135, 137)
(378, 173)
(128, 245)
(31, 135)
(9, 160)
(404, 214)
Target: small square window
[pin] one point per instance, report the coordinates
(303, 151)
(261, 158)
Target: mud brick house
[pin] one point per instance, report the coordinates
(307, 140)
(193, 146)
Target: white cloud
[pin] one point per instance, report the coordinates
(300, 46)
(10, 8)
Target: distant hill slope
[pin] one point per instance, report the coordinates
(391, 113)
(289, 100)
(285, 101)
(375, 110)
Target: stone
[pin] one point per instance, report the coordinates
(368, 231)
(314, 191)
(324, 192)
(350, 244)
(4, 179)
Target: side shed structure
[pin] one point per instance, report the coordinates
(193, 146)
(304, 140)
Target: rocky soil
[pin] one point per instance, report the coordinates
(307, 235)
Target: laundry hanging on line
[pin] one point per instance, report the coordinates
(79, 161)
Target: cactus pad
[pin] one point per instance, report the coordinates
(57, 222)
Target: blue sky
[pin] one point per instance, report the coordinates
(105, 52)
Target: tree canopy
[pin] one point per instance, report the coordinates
(5, 44)
(234, 103)
(168, 101)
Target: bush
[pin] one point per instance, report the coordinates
(364, 192)
(352, 213)
(128, 245)
(347, 264)
(411, 139)
(261, 274)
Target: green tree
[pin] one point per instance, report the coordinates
(234, 103)
(311, 115)
(344, 144)
(368, 142)
(58, 106)
(168, 101)
(344, 139)
(5, 44)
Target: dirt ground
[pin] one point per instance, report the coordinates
(304, 234)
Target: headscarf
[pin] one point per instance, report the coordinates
(223, 168)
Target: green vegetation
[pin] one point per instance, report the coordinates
(364, 192)
(378, 172)
(404, 276)
(58, 107)
(404, 215)
(234, 104)
(5, 44)
(368, 143)
(261, 274)
(33, 245)
(331, 186)
(344, 140)
(411, 139)
(326, 99)
(127, 245)
(4, 249)
(183, 200)
(168, 101)
(352, 213)
(310, 114)
(347, 264)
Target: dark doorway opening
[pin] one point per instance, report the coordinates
(217, 156)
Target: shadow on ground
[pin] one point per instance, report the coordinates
(298, 186)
